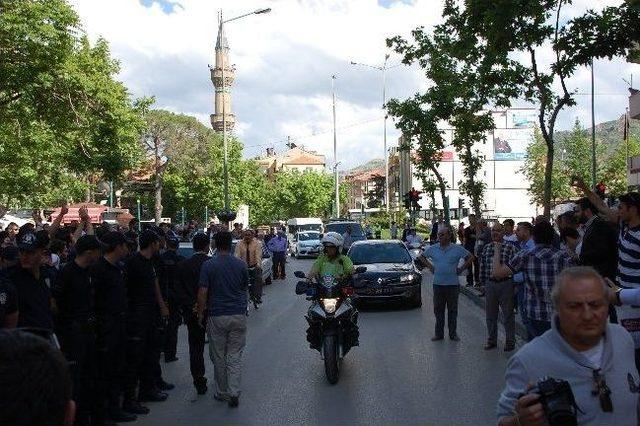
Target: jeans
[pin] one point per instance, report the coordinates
(446, 296)
(499, 297)
(227, 338)
(279, 262)
(536, 328)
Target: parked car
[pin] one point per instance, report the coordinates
(357, 233)
(306, 244)
(391, 273)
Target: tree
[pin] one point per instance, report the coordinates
(529, 27)
(375, 196)
(614, 171)
(63, 115)
(465, 78)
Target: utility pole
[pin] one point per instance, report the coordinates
(335, 147)
(386, 153)
(593, 131)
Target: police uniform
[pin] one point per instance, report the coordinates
(188, 278)
(140, 281)
(74, 326)
(169, 262)
(8, 301)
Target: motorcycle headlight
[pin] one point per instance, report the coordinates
(407, 278)
(330, 305)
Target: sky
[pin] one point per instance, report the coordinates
(284, 62)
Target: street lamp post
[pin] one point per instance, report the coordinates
(227, 215)
(335, 147)
(383, 69)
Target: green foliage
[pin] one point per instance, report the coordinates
(573, 158)
(63, 115)
(375, 196)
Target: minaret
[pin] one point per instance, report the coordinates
(222, 88)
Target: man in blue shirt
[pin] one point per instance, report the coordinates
(224, 280)
(278, 247)
(442, 260)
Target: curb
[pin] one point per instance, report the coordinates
(521, 330)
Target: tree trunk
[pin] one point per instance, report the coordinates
(87, 195)
(158, 197)
(548, 172)
(475, 196)
(443, 193)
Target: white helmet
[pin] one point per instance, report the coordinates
(332, 239)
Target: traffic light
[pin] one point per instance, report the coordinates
(414, 198)
(407, 200)
(601, 189)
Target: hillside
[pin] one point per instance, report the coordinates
(376, 163)
(609, 132)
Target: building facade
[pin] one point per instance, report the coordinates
(504, 153)
(358, 187)
(295, 159)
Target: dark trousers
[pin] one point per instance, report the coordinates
(279, 262)
(171, 331)
(196, 333)
(473, 273)
(141, 350)
(536, 328)
(446, 297)
(255, 278)
(78, 346)
(111, 345)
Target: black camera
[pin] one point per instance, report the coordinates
(558, 401)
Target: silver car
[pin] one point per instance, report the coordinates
(306, 244)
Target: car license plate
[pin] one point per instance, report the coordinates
(383, 290)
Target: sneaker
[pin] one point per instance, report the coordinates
(134, 407)
(234, 401)
(164, 386)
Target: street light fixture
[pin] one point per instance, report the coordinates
(384, 69)
(227, 215)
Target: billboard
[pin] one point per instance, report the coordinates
(511, 144)
(523, 119)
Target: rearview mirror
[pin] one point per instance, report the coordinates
(361, 269)
(299, 274)
(301, 287)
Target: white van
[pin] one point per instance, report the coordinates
(303, 224)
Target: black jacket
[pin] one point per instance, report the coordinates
(600, 248)
(188, 278)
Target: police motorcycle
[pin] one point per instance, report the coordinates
(333, 328)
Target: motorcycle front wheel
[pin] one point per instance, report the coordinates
(330, 352)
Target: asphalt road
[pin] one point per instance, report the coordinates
(396, 375)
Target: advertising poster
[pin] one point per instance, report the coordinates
(511, 144)
(523, 119)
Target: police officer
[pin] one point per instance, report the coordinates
(72, 292)
(32, 282)
(110, 304)
(186, 291)
(170, 259)
(143, 298)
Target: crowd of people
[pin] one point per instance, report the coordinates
(111, 298)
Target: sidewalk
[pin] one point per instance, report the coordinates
(473, 293)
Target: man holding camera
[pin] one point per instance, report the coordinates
(583, 367)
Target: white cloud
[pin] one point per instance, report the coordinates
(284, 62)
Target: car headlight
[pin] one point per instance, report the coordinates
(330, 305)
(407, 278)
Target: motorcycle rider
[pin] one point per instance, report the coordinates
(332, 262)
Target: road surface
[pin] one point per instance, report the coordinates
(396, 375)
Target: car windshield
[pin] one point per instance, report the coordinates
(310, 227)
(308, 236)
(379, 253)
(341, 228)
